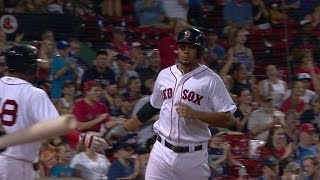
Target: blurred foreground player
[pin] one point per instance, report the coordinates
(22, 105)
(190, 97)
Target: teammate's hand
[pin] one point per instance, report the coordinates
(2, 132)
(185, 111)
(115, 133)
(93, 141)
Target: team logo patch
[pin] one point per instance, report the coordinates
(8, 23)
(187, 34)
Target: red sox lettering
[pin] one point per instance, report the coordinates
(191, 96)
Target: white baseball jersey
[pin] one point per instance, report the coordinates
(21, 105)
(201, 89)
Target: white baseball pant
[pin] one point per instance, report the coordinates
(164, 164)
(13, 169)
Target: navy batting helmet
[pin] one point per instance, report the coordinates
(192, 36)
(23, 58)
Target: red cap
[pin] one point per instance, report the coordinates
(306, 127)
(89, 84)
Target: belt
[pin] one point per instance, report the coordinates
(178, 149)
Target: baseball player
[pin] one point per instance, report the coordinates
(22, 105)
(190, 97)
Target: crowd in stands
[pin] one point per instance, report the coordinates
(276, 135)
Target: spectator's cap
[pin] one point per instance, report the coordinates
(151, 52)
(68, 83)
(136, 44)
(121, 57)
(307, 127)
(302, 76)
(211, 32)
(292, 167)
(62, 45)
(304, 22)
(266, 98)
(270, 161)
(124, 146)
(119, 30)
(216, 132)
(89, 84)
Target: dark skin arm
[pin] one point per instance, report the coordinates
(217, 119)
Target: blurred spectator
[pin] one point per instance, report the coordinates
(228, 82)
(168, 46)
(308, 96)
(245, 107)
(118, 42)
(113, 100)
(311, 167)
(276, 13)
(89, 111)
(65, 104)
(291, 125)
(125, 167)
(305, 39)
(294, 101)
(133, 92)
(176, 8)
(238, 52)
(260, 15)
(314, 17)
(4, 43)
(215, 53)
(240, 79)
(62, 168)
(292, 171)
(307, 145)
(100, 72)
(151, 72)
(306, 58)
(195, 13)
(3, 66)
(112, 7)
(47, 52)
(278, 144)
(237, 14)
(149, 12)
(139, 62)
(55, 6)
(122, 72)
(75, 47)
(131, 96)
(48, 34)
(270, 169)
(273, 85)
(292, 8)
(219, 154)
(312, 115)
(63, 68)
(90, 165)
(263, 119)
(47, 158)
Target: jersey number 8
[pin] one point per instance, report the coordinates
(10, 113)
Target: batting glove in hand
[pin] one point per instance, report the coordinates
(116, 133)
(2, 132)
(93, 141)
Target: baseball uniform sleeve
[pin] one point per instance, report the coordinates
(221, 100)
(156, 96)
(41, 107)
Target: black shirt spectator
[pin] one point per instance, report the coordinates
(100, 71)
